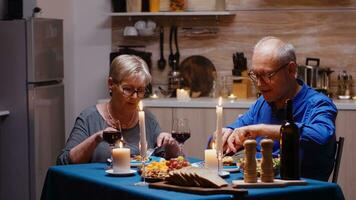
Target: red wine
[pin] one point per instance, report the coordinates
(290, 164)
(111, 136)
(181, 137)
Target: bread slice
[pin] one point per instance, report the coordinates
(198, 177)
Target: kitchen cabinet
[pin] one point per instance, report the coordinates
(345, 127)
(171, 14)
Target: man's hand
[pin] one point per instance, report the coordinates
(239, 135)
(236, 139)
(226, 132)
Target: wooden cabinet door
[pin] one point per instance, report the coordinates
(163, 116)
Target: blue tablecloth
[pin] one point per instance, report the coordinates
(89, 181)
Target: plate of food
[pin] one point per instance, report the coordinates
(158, 170)
(136, 161)
(230, 165)
(276, 165)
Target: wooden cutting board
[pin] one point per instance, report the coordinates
(259, 184)
(199, 190)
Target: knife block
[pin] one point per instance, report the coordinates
(242, 87)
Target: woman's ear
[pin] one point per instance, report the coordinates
(110, 84)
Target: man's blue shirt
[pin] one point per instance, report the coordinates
(314, 114)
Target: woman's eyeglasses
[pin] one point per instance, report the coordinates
(130, 91)
(265, 77)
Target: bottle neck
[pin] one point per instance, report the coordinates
(289, 111)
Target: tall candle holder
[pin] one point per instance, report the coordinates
(143, 153)
(142, 144)
(220, 163)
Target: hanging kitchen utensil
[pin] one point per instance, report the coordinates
(161, 62)
(171, 55)
(176, 55)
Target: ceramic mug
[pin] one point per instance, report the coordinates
(130, 31)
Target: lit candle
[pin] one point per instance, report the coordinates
(143, 142)
(231, 96)
(219, 112)
(211, 161)
(121, 160)
(154, 96)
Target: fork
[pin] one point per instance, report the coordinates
(150, 151)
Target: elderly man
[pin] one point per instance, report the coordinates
(274, 72)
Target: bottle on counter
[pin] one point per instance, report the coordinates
(289, 144)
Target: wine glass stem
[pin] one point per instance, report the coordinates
(143, 170)
(181, 149)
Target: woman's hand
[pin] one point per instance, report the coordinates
(165, 139)
(171, 145)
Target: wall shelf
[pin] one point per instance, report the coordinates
(173, 14)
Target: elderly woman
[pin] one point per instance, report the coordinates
(127, 81)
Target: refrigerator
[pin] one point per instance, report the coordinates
(31, 89)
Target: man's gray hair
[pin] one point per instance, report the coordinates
(284, 52)
(125, 66)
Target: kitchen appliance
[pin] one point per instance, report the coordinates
(31, 88)
(344, 89)
(315, 76)
(242, 86)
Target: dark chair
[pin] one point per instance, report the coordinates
(338, 155)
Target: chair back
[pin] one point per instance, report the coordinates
(338, 155)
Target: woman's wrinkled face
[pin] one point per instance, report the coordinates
(129, 91)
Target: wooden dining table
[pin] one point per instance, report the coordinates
(90, 181)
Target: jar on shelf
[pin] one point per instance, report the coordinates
(134, 5)
(177, 5)
(164, 5)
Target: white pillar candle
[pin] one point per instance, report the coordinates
(121, 160)
(143, 142)
(219, 118)
(211, 161)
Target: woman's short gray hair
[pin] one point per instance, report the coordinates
(125, 66)
(285, 52)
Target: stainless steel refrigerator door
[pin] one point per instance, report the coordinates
(45, 49)
(46, 116)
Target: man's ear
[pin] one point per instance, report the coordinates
(292, 69)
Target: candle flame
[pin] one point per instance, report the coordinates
(140, 105)
(220, 101)
(120, 144)
(213, 145)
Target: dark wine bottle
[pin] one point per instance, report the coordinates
(289, 139)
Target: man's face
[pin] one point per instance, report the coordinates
(272, 78)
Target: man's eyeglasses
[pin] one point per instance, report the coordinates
(265, 77)
(129, 91)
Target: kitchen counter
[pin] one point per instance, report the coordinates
(211, 103)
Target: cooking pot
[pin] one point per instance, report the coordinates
(315, 76)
